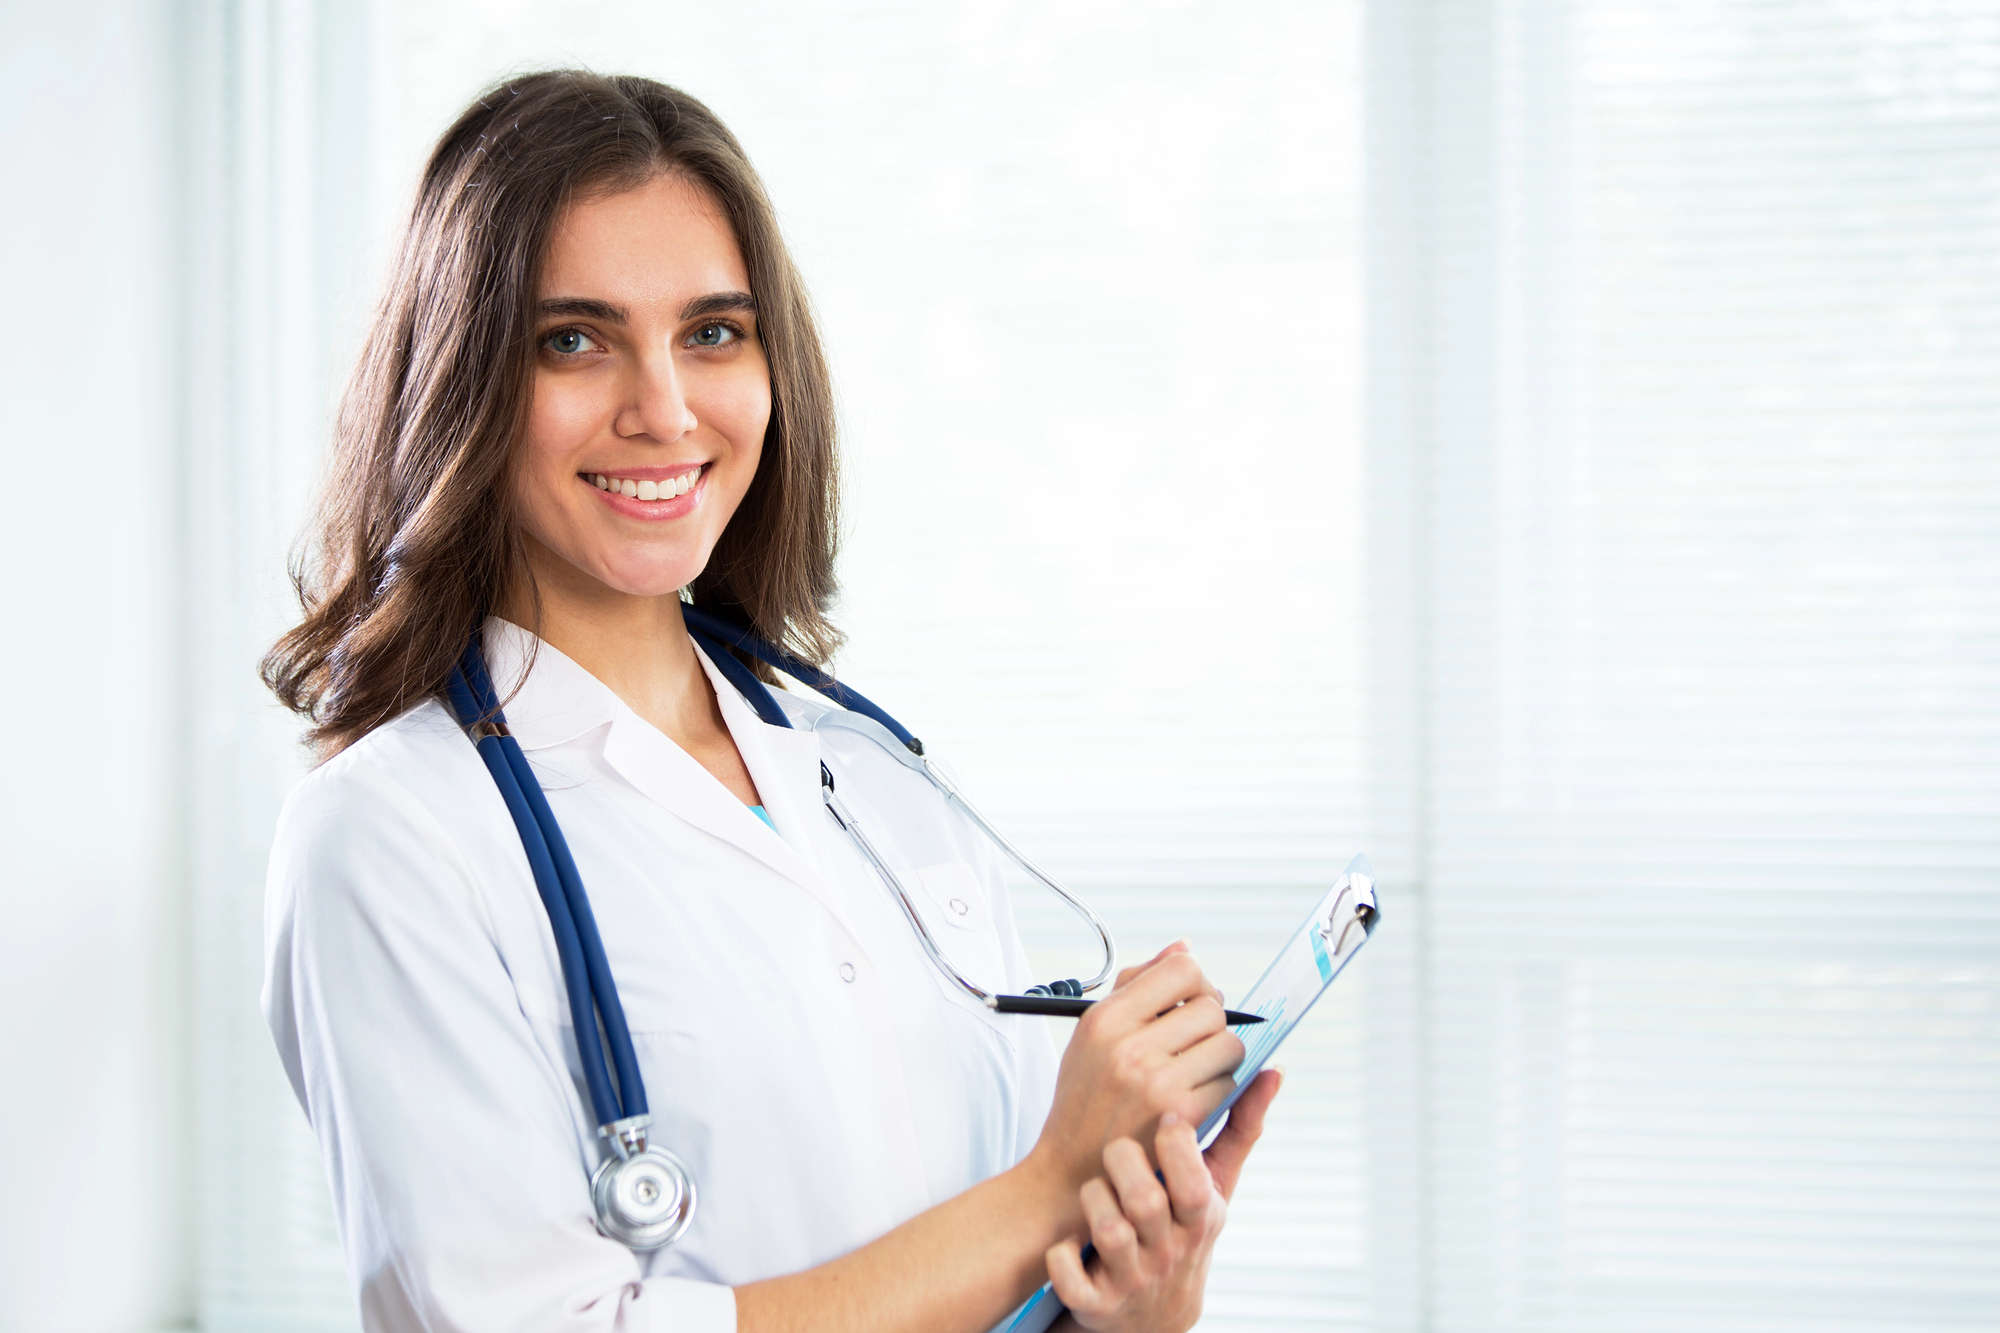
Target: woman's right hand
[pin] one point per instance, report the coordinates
(1155, 1236)
(1157, 1044)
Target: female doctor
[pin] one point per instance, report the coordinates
(593, 384)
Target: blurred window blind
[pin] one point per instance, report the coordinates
(1710, 820)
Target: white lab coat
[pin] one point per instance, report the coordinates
(416, 998)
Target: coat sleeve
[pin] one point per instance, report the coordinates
(448, 1133)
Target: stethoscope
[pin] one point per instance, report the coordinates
(644, 1195)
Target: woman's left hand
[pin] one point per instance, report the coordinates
(1154, 1240)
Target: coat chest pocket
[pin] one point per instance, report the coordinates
(956, 908)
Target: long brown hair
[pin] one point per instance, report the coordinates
(416, 540)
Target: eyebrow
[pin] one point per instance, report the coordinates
(583, 307)
(717, 303)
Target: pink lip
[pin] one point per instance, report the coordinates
(652, 511)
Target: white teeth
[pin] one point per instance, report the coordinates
(647, 490)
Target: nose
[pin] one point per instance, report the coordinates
(656, 402)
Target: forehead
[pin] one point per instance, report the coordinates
(666, 240)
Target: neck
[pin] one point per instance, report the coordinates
(638, 646)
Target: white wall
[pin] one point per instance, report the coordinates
(94, 1158)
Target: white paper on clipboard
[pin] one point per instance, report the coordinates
(1314, 955)
(1311, 958)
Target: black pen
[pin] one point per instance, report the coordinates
(1055, 1007)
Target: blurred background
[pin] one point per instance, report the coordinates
(1551, 445)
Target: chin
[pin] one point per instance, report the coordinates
(650, 579)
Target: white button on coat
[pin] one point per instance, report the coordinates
(414, 991)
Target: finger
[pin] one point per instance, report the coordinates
(1201, 1102)
(1072, 1283)
(1126, 974)
(1216, 1054)
(1246, 1125)
(1141, 1197)
(1158, 988)
(1182, 1027)
(1189, 1186)
(1116, 1241)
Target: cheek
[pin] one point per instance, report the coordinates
(561, 419)
(740, 408)
(560, 422)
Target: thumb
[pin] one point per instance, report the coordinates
(1226, 1155)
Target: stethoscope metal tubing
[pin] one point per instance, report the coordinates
(867, 718)
(999, 839)
(845, 818)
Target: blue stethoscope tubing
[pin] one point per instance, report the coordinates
(645, 1196)
(586, 970)
(715, 634)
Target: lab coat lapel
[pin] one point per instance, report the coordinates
(785, 766)
(784, 763)
(665, 773)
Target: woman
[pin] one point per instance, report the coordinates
(595, 383)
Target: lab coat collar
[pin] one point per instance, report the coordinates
(550, 701)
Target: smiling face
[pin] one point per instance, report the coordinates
(651, 394)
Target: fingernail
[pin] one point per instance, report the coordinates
(1281, 1072)
(1170, 1118)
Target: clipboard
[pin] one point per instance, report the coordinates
(1312, 956)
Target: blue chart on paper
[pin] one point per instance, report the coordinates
(1303, 970)
(1263, 1039)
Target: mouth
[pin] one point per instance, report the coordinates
(650, 488)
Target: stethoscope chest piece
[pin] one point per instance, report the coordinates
(644, 1200)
